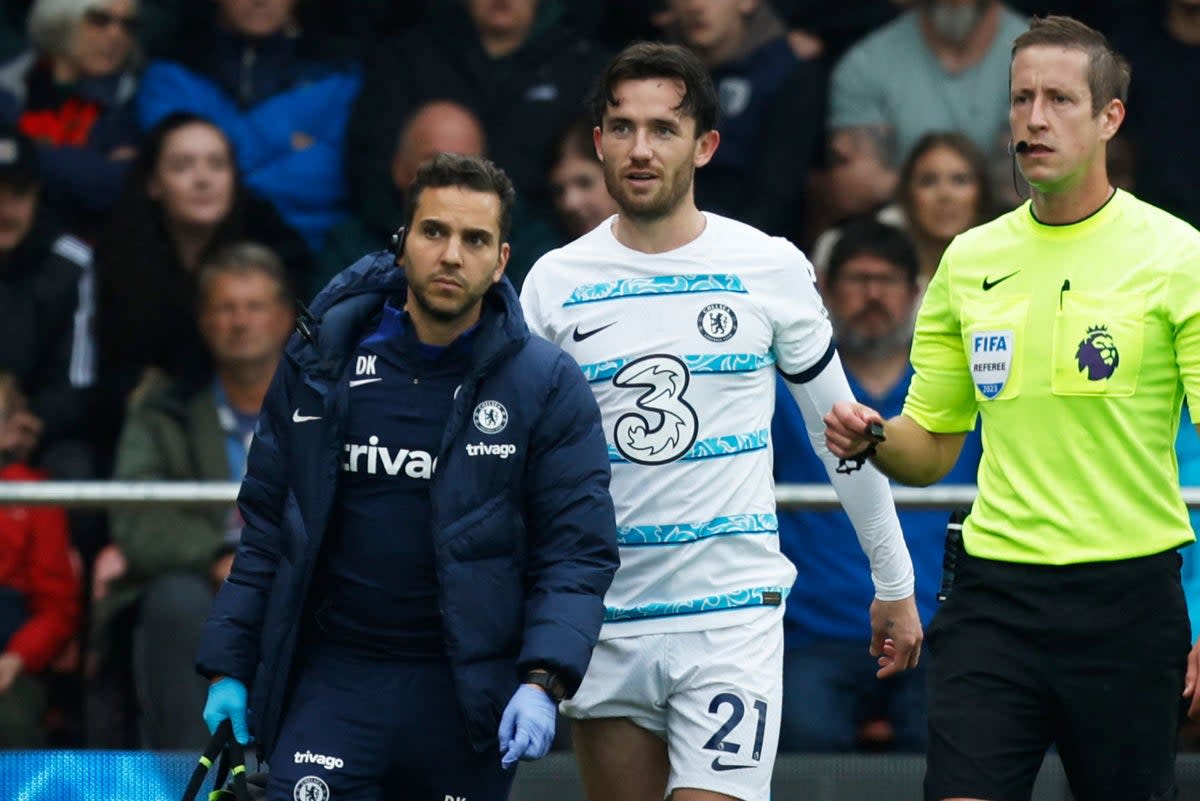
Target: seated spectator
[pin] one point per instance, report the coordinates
(945, 188)
(942, 66)
(513, 64)
(830, 689)
(45, 314)
(183, 201)
(280, 96)
(1162, 43)
(577, 181)
(39, 590)
(72, 93)
(440, 126)
(771, 106)
(176, 557)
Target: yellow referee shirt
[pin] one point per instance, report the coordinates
(1075, 343)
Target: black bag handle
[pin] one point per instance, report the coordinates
(230, 756)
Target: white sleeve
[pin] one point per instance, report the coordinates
(802, 333)
(865, 494)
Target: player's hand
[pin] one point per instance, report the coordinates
(527, 725)
(227, 699)
(846, 428)
(1191, 680)
(895, 635)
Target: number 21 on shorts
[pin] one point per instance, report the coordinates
(732, 709)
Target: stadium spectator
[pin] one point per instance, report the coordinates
(176, 557)
(429, 532)
(1162, 43)
(771, 119)
(514, 64)
(944, 189)
(72, 92)
(39, 588)
(45, 316)
(280, 93)
(577, 181)
(184, 200)
(1071, 327)
(440, 126)
(871, 292)
(941, 66)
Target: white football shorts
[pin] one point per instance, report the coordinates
(713, 695)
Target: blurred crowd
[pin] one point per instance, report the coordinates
(174, 174)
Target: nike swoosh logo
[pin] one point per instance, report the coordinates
(989, 284)
(358, 382)
(302, 418)
(718, 766)
(579, 336)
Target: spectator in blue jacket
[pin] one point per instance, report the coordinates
(428, 530)
(72, 93)
(830, 691)
(281, 94)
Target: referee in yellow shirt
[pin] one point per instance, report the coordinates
(1071, 326)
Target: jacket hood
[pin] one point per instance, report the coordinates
(341, 310)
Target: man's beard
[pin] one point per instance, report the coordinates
(441, 313)
(662, 205)
(867, 347)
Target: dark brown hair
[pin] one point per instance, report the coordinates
(1108, 71)
(965, 148)
(466, 172)
(642, 60)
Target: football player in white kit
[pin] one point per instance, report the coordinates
(679, 320)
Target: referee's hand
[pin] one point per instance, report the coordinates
(1192, 680)
(847, 428)
(895, 635)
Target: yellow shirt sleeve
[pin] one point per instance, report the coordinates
(1183, 308)
(941, 397)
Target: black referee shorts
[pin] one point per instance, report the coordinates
(1090, 657)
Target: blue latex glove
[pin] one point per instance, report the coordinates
(227, 699)
(527, 725)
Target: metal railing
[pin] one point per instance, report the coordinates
(110, 494)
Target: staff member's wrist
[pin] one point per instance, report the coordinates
(547, 681)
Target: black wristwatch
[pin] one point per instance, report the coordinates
(548, 682)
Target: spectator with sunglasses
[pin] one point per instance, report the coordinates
(72, 93)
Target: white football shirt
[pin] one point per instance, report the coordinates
(681, 350)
